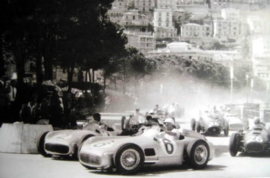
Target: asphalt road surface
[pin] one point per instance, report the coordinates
(223, 165)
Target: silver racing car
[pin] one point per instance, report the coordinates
(129, 153)
(67, 142)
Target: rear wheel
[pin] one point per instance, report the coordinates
(129, 159)
(198, 154)
(234, 144)
(40, 145)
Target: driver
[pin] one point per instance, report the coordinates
(170, 132)
(258, 123)
(96, 124)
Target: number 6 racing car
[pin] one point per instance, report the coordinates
(129, 153)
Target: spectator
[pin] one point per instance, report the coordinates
(96, 123)
(57, 111)
(36, 112)
(25, 113)
(3, 101)
(107, 102)
(136, 119)
(67, 101)
(45, 108)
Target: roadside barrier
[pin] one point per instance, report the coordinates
(21, 138)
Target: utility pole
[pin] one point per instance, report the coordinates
(231, 76)
(251, 89)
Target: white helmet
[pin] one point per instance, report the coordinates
(169, 120)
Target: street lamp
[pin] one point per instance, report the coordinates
(247, 77)
(267, 90)
(251, 89)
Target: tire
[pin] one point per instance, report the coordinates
(40, 145)
(198, 154)
(198, 127)
(234, 144)
(129, 166)
(193, 124)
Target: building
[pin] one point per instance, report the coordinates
(260, 44)
(145, 6)
(163, 24)
(230, 29)
(116, 15)
(166, 4)
(230, 14)
(133, 20)
(196, 30)
(163, 18)
(143, 41)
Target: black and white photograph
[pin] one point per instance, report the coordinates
(135, 88)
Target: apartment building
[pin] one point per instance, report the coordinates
(190, 2)
(163, 18)
(116, 15)
(163, 24)
(143, 41)
(134, 18)
(120, 4)
(225, 30)
(144, 6)
(260, 44)
(196, 30)
(166, 4)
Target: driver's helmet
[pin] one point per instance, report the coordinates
(151, 112)
(169, 120)
(257, 120)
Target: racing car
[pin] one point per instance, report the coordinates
(128, 154)
(235, 123)
(67, 142)
(212, 124)
(254, 141)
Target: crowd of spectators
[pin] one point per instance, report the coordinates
(46, 104)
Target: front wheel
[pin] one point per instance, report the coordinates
(129, 159)
(234, 144)
(40, 145)
(198, 154)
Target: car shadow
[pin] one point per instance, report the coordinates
(157, 170)
(220, 149)
(252, 155)
(64, 158)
